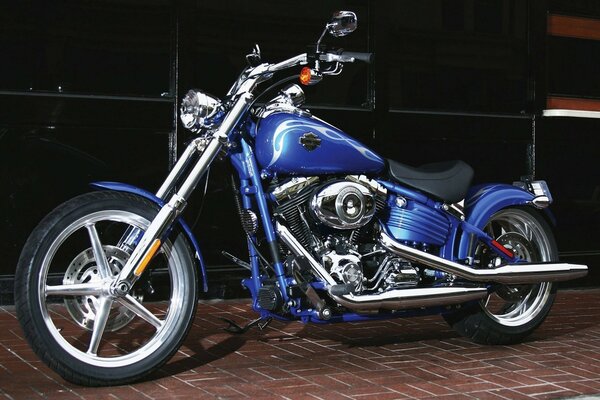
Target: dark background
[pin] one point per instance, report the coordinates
(89, 91)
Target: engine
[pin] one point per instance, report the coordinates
(336, 220)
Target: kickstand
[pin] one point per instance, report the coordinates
(261, 323)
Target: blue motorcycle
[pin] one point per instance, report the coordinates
(107, 284)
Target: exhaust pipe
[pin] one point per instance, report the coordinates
(290, 241)
(399, 299)
(402, 299)
(508, 274)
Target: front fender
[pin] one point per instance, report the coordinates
(123, 187)
(485, 200)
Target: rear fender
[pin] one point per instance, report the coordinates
(123, 187)
(485, 200)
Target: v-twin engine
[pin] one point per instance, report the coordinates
(334, 221)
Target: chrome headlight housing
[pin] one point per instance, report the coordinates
(198, 109)
(294, 94)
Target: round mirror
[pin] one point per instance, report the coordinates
(342, 23)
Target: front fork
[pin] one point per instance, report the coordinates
(151, 241)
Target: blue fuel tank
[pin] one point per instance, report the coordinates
(290, 144)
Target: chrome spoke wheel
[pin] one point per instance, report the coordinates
(510, 312)
(100, 312)
(518, 232)
(70, 312)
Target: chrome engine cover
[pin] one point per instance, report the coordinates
(346, 268)
(343, 205)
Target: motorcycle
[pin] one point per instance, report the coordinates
(107, 284)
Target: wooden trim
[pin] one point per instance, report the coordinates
(574, 27)
(569, 103)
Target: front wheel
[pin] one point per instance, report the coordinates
(510, 313)
(71, 318)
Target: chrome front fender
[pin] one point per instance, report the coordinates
(123, 187)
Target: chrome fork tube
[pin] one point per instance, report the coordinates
(185, 159)
(150, 241)
(130, 238)
(212, 149)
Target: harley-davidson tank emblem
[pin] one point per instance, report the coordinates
(310, 141)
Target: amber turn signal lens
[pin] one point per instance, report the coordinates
(305, 76)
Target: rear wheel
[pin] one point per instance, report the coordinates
(511, 312)
(73, 320)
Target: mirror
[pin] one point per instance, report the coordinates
(254, 59)
(342, 23)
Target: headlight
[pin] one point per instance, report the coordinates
(197, 109)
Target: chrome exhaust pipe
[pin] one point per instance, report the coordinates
(507, 274)
(399, 299)
(402, 299)
(290, 241)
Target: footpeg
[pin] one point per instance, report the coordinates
(236, 260)
(260, 323)
(342, 289)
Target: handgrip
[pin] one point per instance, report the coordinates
(364, 57)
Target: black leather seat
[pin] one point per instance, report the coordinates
(448, 181)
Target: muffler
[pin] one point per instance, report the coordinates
(507, 274)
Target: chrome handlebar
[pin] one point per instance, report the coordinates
(301, 59)
(252, 76)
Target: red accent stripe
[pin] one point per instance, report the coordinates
(503, 249)
(571, 103)
(574, 27)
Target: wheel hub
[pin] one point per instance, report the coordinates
(84, 269)
(518, 244)
(521, 247)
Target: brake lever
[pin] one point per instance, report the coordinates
(333, 71)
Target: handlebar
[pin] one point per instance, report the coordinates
(297, 60)
(301, 59)
(252, 76)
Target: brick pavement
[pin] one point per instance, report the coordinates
(399, 359)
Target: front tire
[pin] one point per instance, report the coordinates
(82, 331)
(511, 313)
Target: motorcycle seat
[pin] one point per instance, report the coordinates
(448, 181)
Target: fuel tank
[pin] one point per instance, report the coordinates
(290, 144)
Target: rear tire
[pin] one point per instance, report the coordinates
(511, 313)
(91, 336)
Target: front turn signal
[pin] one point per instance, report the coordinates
(309, 76)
